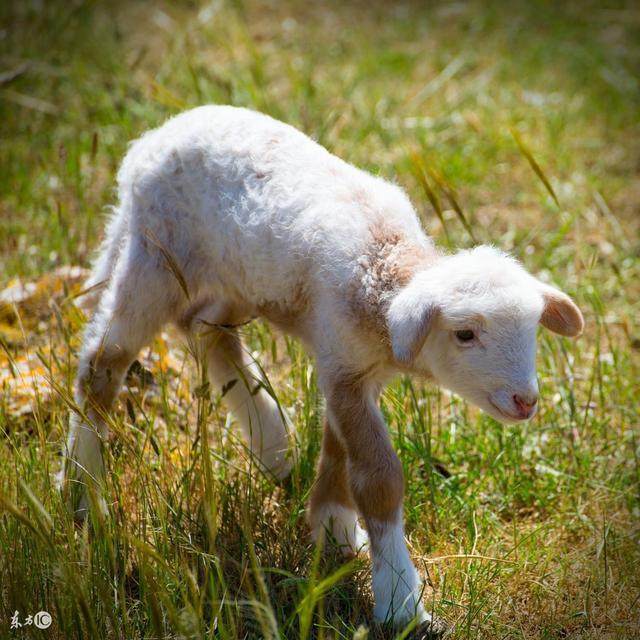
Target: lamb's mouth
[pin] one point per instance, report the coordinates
(502, 412)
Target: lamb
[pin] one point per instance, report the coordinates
(226, 214)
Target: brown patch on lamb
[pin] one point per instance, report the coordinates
(388, 263)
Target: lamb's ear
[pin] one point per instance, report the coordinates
(409, 319)
(560, 313)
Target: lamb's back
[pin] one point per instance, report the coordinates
(255, 195)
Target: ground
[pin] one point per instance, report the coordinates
(514, 123)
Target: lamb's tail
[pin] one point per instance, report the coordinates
(107, 257)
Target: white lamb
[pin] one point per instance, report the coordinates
(224, 215)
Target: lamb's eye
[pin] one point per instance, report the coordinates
(465, 335)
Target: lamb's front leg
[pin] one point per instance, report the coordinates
(377, 487)
(331, 507)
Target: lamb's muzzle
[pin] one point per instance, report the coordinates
(225, 214)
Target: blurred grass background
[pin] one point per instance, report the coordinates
(514, 123)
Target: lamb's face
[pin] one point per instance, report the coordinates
(487, 355)
(471, 323)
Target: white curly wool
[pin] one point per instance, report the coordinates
(225, 214)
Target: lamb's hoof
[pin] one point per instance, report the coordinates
(433, 629)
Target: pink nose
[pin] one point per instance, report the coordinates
(525, 406)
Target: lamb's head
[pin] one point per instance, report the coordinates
(470, 321)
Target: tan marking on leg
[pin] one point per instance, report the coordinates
(331, 507)
(100, 382)
(376, 483)
(374, 470)
(331, 484)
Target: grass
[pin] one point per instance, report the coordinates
(515, 123)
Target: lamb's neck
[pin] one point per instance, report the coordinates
(388, 263)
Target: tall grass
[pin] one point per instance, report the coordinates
(511, 123)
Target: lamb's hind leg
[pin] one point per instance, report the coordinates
(131, 311)
(266, 428)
